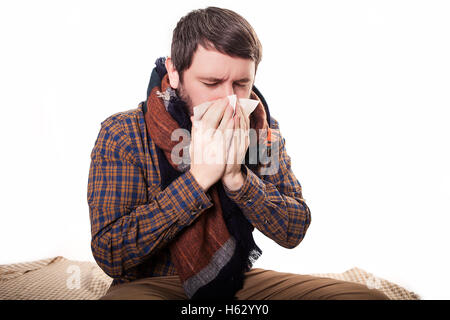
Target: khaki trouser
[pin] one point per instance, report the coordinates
(259, 284)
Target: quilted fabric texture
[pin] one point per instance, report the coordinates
(59, 278)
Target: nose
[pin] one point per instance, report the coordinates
(224, 90)
(227, 89)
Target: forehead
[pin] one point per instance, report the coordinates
(212, 63)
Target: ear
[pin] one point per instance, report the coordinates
(174, 78)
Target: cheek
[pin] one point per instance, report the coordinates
(243, 92)
(197, 94)
(217, 93)
(202, 94)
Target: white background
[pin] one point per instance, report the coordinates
(360, 88)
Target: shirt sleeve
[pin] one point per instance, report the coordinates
(126, 226)
(272, 201)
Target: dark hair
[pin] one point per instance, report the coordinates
(222, 29)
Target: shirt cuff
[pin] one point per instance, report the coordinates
(251, 194)
(188, 198)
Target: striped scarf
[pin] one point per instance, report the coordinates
(213, 253)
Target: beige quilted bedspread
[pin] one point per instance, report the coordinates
(61, 279)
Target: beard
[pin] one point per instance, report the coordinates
(183, 95)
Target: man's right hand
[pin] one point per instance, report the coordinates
(210, 139)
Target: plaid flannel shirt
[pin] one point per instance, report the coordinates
(132, 220)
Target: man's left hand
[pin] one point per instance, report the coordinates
(233, 178)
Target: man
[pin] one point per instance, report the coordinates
(173, 219)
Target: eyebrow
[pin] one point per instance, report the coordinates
(212, 79)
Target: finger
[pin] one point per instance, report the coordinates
(234, 144)
(223, 130)
(227, 116)
(238, 141)
(243, 146)
(245, 117)
(240, 115)
(214, 114)
(229, 131)
(243, 132)
(245, 124)
(193, 129)
(200, 110)
(191, 146)
(237, 118)
(241, 129)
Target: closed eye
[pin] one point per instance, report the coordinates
(215, 84)
(210, 84)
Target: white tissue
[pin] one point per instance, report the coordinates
(233, 99)
(248, 106)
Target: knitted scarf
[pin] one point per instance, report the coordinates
(213, 253)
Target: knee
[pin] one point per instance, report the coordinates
(116, 295)
(373, 294)
(132, 291)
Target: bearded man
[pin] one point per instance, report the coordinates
(178, 184)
